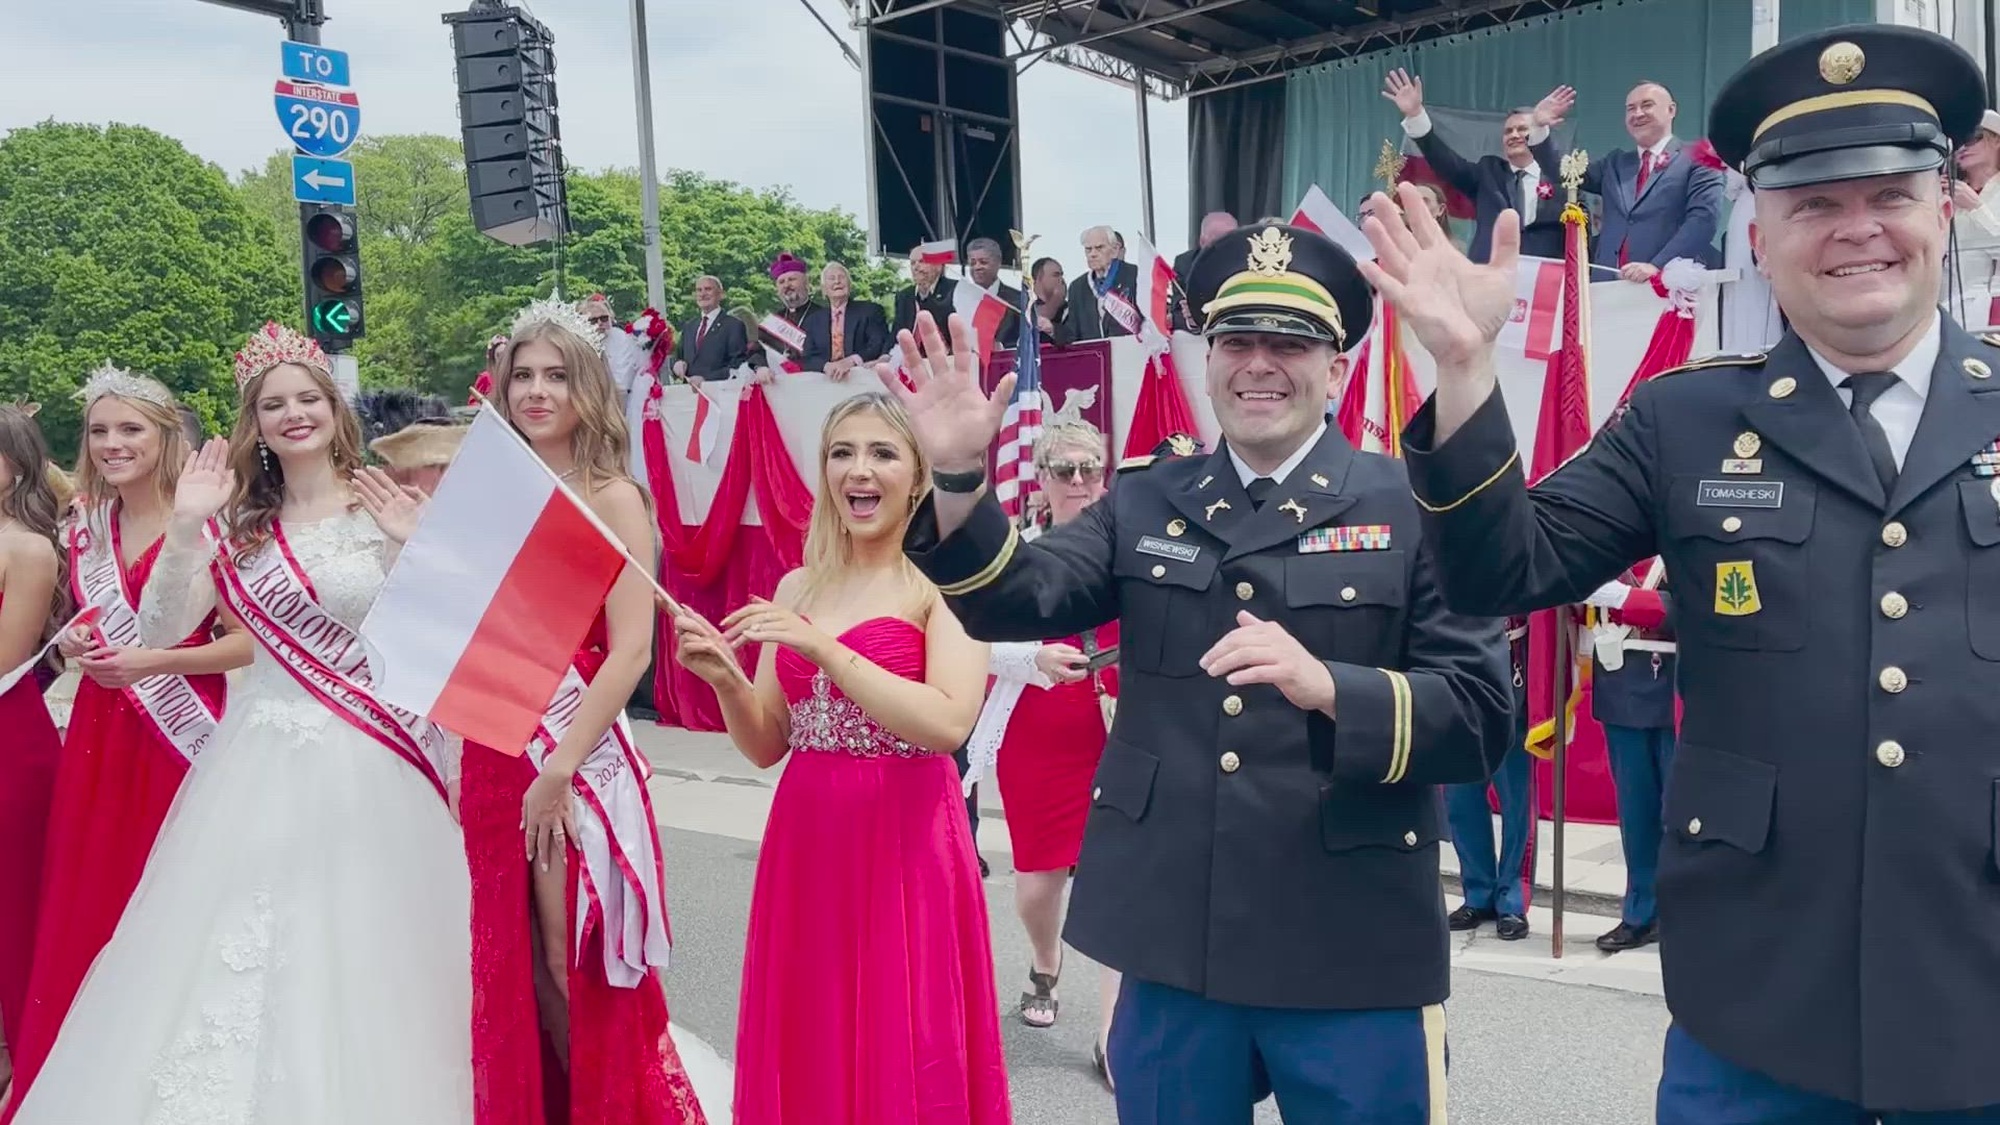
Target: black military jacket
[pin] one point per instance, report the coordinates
(1237, 846)
(1829, 895)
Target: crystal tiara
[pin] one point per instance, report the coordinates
(274, 344)
(560, 313)
(110, 379)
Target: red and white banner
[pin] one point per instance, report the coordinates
(704, 435)
(783, 331)
(271, 593)
(942, 253)
(1532, 329)
(490, 599)
(169, 703)
(1317, 212)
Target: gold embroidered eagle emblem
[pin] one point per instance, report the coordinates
(1270, 252)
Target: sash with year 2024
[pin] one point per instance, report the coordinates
(270, 591)
(623, 877)
(168, 703)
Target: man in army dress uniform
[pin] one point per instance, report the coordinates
(1829, 890)
(1261, 859)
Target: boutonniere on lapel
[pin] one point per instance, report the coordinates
(1545, 190)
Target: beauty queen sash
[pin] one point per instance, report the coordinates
(623, 879)
(170, 705)
(269, 590)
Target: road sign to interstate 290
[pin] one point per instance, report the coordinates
(319, 121)
(309, 62)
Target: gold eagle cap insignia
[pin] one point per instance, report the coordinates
(1270, 252)
(1842, 63)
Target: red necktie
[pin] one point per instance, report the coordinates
(1645, 168)
(701, 332)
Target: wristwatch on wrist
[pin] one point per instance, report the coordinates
(958, 482)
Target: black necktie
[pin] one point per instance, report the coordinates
(1866, 388)
(1521, 191)
(1258, 489)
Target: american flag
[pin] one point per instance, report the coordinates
(1014, 463)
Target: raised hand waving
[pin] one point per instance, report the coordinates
(955, 421)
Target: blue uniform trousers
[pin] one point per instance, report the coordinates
(1180, 1059)
(1699, 1087)
(1641, 759)
(1501, 883)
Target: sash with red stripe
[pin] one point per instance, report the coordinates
(270, 591)
(623, 877)
(170, 705)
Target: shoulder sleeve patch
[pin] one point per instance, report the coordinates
(1746, 359)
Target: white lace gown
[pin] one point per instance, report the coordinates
(298, 951)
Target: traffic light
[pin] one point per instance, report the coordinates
(506, 71)
(333, 274)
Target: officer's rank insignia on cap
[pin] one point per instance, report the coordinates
(1270, 252)
(1736, 589)
(1359, 537)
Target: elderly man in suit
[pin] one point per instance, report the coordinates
(843, 332)
(1522, 179)
(929, 291)
(1658, 205)
(712, 345)
(1103, 255)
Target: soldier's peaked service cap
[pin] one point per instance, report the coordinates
(1847, 103)
(1282, 280)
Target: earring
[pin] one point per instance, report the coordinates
(263, 454)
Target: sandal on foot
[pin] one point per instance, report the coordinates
(1039, 1008)
(1104, 1067)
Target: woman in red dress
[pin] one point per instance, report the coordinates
(120, 768)
(569, 1017)
(1047, 715)
(30, 597)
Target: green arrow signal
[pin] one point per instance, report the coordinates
(336, 317)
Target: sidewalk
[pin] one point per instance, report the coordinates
(1593, 866)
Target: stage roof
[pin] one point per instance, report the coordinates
(1184, 47)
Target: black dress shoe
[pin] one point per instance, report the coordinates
(1627, 936)
(1469, 917)
(1512, 927)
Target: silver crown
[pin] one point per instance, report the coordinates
(110, 379)
(554, 310)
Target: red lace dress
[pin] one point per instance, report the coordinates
(623, 1066)
(29, 751)
(117, 780)
(868, 994)
(1045, 765)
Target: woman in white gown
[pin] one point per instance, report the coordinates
(297, 952)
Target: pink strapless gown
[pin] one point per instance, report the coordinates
(868, 994)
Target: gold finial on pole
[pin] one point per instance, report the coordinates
(1021, 244)
(1389, 165)
(1574, 164)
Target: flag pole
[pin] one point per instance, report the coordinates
(1574, 165)
(1559, 762)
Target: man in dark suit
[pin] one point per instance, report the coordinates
(1106, 272)
(982, 268)
(843, 332)
(1828, 517)
(712, 345)
(1656, 203)
(929, 291)
(1052, 313)
(1523, 178)
(1261, 860)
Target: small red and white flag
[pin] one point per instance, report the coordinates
(1155, 292)
(982, 311)
(1317, 212)
(86, 616)
(1531, 330)
(488, 601)
(942, 253)
(706, 433)
(786, 333)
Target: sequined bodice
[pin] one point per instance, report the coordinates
(826, 721)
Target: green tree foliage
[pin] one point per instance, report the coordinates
(117, 244)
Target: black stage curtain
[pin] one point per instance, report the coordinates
(1236, 153)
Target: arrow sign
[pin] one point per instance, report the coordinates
(322, 181)
(319, 121)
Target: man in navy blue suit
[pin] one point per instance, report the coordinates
(1658, 204)
(1522, 179)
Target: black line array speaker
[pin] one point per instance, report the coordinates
(944, 156)
(506, 69)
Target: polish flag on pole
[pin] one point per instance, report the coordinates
(1538, 291)
(1156, 291)
(706, 433)
(942, 253)
(1317, 212)
(86, 616)
(488, 601)
(982, 312)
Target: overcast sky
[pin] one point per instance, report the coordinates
(746, 90)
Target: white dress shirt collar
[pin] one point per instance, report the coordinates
(1914, 370)
(1246, 474)
(1900, 409)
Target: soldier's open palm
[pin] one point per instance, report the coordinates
(954, 420)
(1455, 305)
